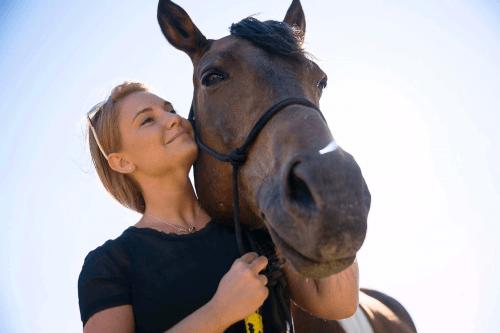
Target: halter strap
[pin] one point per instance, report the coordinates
(238, 156)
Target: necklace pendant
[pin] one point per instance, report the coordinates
(191, 229)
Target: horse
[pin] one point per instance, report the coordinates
(293, 179)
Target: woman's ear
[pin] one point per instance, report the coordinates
(120, 163)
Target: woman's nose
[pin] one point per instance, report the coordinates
(172, 120)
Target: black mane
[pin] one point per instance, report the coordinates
(273, 36)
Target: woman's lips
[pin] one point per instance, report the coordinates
(175, 136)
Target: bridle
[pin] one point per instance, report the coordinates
(237, 158)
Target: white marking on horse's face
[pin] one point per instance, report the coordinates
(331, 147)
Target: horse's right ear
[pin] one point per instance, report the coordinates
(180, 30)
(295, 16)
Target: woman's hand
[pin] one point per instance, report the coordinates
(242, 290)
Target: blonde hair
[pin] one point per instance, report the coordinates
(105, 138)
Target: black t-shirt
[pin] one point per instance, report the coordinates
(165, 277)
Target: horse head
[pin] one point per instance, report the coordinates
(307, 192)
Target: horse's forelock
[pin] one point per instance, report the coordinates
(273, 36)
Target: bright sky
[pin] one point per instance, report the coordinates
(413, 95)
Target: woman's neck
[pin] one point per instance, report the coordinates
(172, 199)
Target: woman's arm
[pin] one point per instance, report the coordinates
(332, 298)
(120, 319)
(205, 319)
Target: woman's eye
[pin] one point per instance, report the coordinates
(147, 120)
(322, 83)
(173, 111)
(212, 77)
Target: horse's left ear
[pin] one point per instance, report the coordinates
(295, 16)
(180, 30)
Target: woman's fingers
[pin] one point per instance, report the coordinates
(249, 257)
(262, 278)
(258, 264)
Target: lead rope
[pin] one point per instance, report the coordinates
(278, 305)
(237, 158)
(236, 203)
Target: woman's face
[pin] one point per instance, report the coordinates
(154, 138)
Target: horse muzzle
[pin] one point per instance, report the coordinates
(316, 211)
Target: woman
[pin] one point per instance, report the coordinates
(175, 269)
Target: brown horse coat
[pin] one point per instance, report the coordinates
(314, 205)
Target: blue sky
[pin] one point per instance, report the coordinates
(413, 94)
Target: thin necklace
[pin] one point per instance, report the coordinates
(187, 230)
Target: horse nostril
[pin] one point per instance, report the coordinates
(298, 190)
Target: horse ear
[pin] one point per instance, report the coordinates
(295, 16)
(180, 30)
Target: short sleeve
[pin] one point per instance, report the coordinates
(103, 282)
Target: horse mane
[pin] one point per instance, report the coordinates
(272, 36)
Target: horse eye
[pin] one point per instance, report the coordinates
(213, 77)
(322, 83)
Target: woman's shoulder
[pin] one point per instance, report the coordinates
(112, 254)
(104, 280)
(109, 246)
